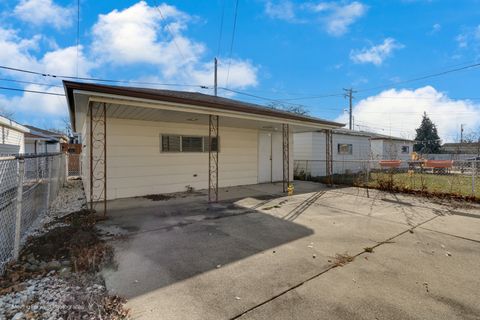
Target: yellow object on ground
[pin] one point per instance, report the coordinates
(290, 189)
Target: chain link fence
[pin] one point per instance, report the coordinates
(440, 177)
(28, 185)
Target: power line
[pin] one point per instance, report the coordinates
(168, 29)
(232, 41)
(31, 82)
(78, 32)
(32, 91)
(274, 100)
(221, 28)
(101, 80)
(433, 75)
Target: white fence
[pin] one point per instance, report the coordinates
(28, 185)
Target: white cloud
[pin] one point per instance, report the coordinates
(42, 12)
(335, 17)
(242, 74)
(470, 37)
(399, 112)
(135, 35)
(435, 28)
(283, 10)
(376, 54)
(15, 51)
(64, 62)
(18, 52)
(338, 18)
(138, 34)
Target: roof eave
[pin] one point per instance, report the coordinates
(70, 87)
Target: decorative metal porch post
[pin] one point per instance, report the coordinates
(98, 155)
(286, 156)
(213, 158)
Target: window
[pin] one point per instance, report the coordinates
(344, 148)
(192, 144)
(214, 144)
(177, 143)
(405, 149)
(170, 143)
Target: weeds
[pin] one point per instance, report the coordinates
(342, 259)
(368, 249)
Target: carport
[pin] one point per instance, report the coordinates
(139, 141)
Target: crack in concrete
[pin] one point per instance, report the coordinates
(325, 271)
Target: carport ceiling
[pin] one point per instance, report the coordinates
(120, 111)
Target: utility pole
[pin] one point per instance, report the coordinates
(349, 94)
(215, 77)
(461, 132)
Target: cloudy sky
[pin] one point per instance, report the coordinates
(301, 52)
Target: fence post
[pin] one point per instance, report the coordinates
(18, 215)
(49, 181)
(67, 158)
(474, 169)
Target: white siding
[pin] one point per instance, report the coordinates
(312, 147)
(136, 165)
(302, 146)
(11, 141)
(377, 149)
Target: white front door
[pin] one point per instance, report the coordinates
(264, 157)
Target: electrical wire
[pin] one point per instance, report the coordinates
(232, 41)
(102, 80)
(169, 30)
(428, 76)
(31, 82)
(32, 91)
(221, 29)
(78, 33)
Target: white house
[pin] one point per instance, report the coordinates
(11, 137)
(157, 141)
(347, 148)
(39, 141)
(390, 148)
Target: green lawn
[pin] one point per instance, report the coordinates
(445, 183)
(454, 183)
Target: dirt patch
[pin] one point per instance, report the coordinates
(342, 259)
(68, 255)
(159, 197)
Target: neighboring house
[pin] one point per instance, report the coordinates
(11, 137)
(347, 148)
(39, 141)
(461, 148)
(157, 141)
(390, 148)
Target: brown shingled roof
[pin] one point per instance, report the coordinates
(185, 97)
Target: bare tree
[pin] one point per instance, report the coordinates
(6, 113)
(293, 108)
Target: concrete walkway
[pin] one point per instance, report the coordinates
(263, 256)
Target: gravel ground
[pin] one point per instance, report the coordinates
(35, 288)
(71, 198)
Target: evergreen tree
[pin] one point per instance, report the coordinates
(427, 139)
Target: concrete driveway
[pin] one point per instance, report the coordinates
(261, 255)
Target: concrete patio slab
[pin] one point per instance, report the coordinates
(185, 259)
(411, 278)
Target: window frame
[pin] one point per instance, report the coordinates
(350, 149)
(405, 152)
(181, 136)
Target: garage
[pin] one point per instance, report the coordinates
(139, 141)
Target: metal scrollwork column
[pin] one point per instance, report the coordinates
(286, 156)
(98, 156)
(213, 158)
